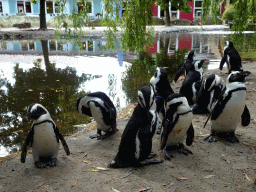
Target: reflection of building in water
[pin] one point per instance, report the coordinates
(205, 46)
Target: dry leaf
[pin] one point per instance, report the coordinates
(114, 189)
(87, 162)
(246, 176)
(208, 176)
(227, 184)
(94, 170)
(203, 135)
(181, 178)
(74, 183)
(126, 175)
(145, 189)
(102, 168)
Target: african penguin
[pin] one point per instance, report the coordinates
(209, 91)
(192, 82)
(232, 58)
(99, 106)
(162, 89)
(44, 137)
(229, 108)
(186, 66)
(177, 125)
(136, 142)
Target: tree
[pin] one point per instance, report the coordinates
(178, 4)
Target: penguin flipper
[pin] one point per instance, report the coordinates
(167, 128)
(63, 141)
(24, 148)
(190, 135)
(246, 117)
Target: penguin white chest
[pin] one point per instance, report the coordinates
(98, 116)
(231, 114)
(179, 131)
(44, 141)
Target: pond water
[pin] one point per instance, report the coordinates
(55, 73)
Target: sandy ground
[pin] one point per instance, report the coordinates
(219, 166)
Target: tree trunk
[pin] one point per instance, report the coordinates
(167, 17)
(48, 68)
(43, 25)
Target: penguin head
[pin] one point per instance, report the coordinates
(146, 97)
(160, 73)
(82, 105)
(36, 111)
(191, 54)
(237, 76)
(198, 65)
(229, 44)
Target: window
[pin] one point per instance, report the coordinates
(80, 6)
(198, 3)
(49, 6)
(1, 8)
(88, 7)
(28, 7)
(57, 8)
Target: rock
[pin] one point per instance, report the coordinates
(196, 22)
(157, 21)
(22, 25)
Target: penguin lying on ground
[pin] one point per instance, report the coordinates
(136, 142)
(186, 66)
(176, 125)
(99, 106)
(232, 58)
(209, 91)
(44, 137)
(162, 89)
(229, 108)
(192, 82)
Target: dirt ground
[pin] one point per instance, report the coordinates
(220, 166)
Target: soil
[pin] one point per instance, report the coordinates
(220, 166)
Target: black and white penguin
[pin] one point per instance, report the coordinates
(162, 89)
(44, 137)
(229, 108)
(186, 66)
(136, 142)
(99, 106)
(192, 82)
(210, 90)
(177, 125)
(232, 58)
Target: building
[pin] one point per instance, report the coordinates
(52, 9)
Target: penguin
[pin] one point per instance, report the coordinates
(192, 82)
(136, 141)
(209, 92)
(44, 137)
(162, 89)
(186, 66)
(231, 57)
(229, 108)
(99, 106)
(177, 125)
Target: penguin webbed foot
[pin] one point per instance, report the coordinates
(184, 150)
(167, 155)
(232, 138)
(52, 163)
(151, 155)
(40, 164)
(211, 138)
(108, 134)
(151, 162)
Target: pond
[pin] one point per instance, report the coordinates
(55, 73)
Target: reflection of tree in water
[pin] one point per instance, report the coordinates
(141, 70)
(54, 88)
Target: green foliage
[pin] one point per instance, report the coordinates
(213, 7)
(178, 4)
(229, 13)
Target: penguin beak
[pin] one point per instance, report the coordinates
(27, 117)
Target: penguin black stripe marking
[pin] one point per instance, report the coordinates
(219, 107)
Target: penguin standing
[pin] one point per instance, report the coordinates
(192, 82)
(162, 89)
(99, 106)
(177, 125)
(209, 91)
(232, 58)
(186, 66)
(44, 137)
(136, 141)
(229, 108)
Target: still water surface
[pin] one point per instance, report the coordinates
(55, 73)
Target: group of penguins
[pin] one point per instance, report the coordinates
(159, 111)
